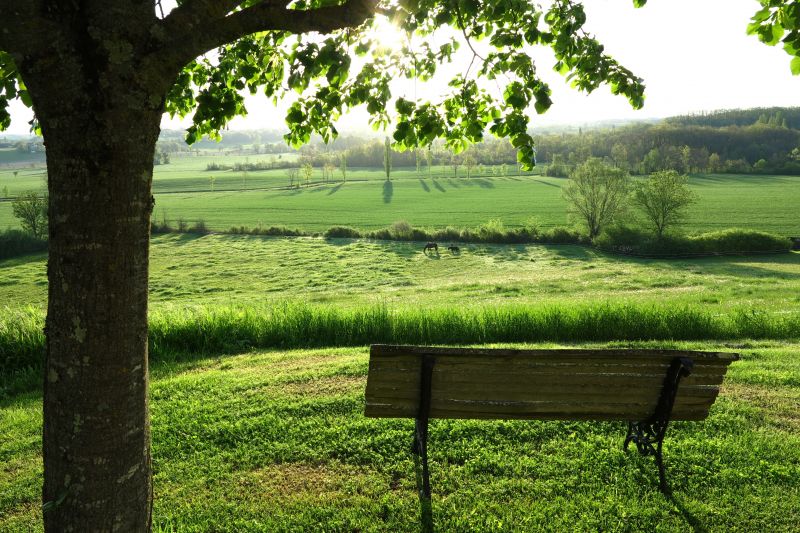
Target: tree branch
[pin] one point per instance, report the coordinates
(196, 38)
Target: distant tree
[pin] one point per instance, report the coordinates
(31, 210)
(619, 154)
(663, 199)
(343, 165)
(596, 193)
(15, 173)
(469, 164)
(428, 160)
(328, 170)
(794, 155)
(387, 159)
(307, 170)
(292, 173)
(686, 159)
(455, 162)
(211, 180)
(714, 163)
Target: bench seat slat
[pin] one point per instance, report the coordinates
(534, 379)
(540, 384)
(639, 413)
(386, 351)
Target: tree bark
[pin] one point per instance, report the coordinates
(96, 422)
(100, 113)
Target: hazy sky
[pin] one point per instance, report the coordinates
(694, 55)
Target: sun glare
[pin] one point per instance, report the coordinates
(387, 34)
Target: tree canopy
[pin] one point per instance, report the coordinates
(328, 53)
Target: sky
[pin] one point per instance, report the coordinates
(694, 56)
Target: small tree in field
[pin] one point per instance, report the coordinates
(387, 159)
(31, 210)
(307, 170)
(343, 165)
(596, 193)
(663, 199)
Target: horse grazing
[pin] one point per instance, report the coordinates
(431, 246)
(454, 249)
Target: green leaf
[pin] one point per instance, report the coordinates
(795, 66)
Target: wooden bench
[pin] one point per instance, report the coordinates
(646, 388)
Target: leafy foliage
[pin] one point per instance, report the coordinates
(31, 210)
(350, 68)
(778, 21)
(596, 193)
(663, 199)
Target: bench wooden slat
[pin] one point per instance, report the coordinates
(385, 350)
(539, 378)
(549, 384)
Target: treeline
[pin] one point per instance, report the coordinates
(361, 152)
(642, 149)
(788, 117)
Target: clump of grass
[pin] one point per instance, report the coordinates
(192, 331)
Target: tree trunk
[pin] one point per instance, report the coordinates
(100, 116)
(96, 422)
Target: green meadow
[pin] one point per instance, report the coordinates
(276, 441)
(259, 360)
(184, 191)
(236, 270)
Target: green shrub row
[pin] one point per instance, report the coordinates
(192, 332)
(15, 242)
(635, 241)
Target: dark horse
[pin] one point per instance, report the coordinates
(431, 246)
(454, 249)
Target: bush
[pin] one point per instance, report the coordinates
(626, 239)
(401, 230)
(200, 227)
(14, 243)
(342, 232)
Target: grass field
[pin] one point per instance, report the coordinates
(183, 191)
(276, 441)
(245, 270)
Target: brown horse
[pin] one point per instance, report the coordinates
(431, 246)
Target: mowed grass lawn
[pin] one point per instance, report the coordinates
(767, 203)
(276, 441)
(188, 270)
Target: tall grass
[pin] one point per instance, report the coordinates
(189, 332)
(14, 243)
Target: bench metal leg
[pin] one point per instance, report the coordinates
(421, 449)
(648, 435)
(421, 424)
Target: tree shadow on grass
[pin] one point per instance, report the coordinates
(424, 185)
(438, 186)
(335, 189)
(547, 183)
(388, 192)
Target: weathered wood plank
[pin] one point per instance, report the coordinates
(539, 378)
(542, 384)
(380, 350)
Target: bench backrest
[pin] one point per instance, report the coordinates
(617, 384)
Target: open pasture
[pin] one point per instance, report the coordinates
(246, 270)
(277, 441)
(183, 191)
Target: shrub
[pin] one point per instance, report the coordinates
(200, 227)
(14, 243)
(342, 232)
(400, 230)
